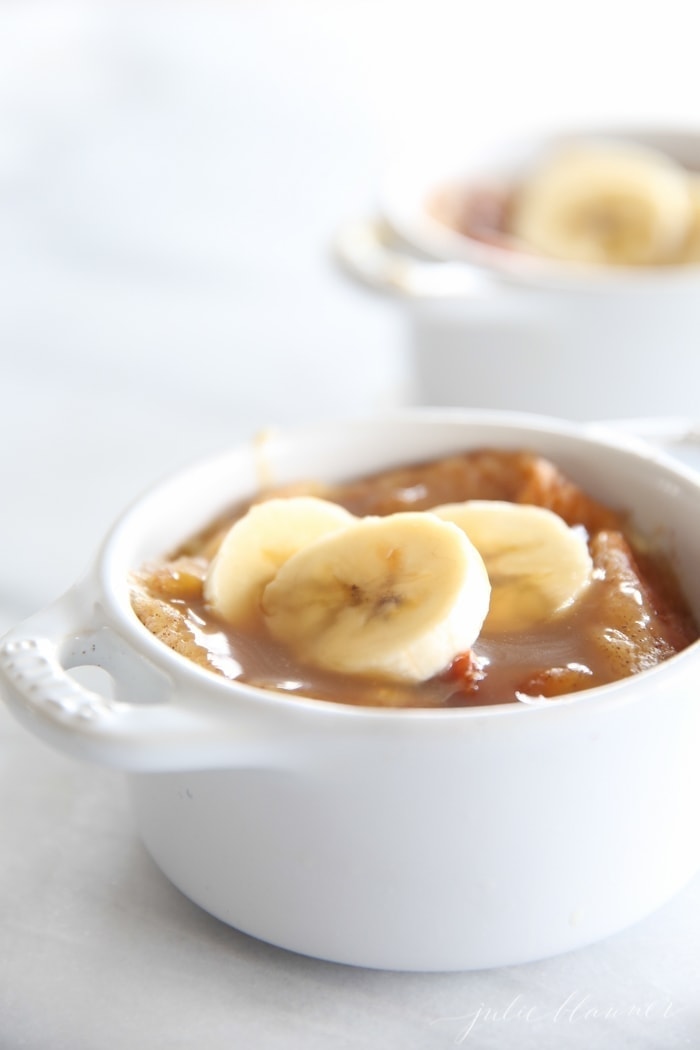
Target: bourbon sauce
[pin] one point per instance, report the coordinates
(631, 616)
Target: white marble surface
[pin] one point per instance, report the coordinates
(169, 179)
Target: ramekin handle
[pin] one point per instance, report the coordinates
(149, 732)
(667, 431)
(369, 251)
(677, 436)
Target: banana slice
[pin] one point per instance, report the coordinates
(398, 596)
(606, 203)
(690, 252)
(537, 564)
(258, 544)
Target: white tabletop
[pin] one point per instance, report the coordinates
(170, 177)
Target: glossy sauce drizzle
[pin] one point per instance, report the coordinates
(630, 617)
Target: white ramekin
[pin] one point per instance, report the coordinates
(486, 326)
(416, 840)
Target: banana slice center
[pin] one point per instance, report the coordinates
(398, 596)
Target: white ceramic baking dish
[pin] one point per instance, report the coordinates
(487, 326)
(410, 839)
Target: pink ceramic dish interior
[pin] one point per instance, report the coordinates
(410, 839)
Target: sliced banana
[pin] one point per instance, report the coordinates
(398, 596)
(605, 203)
(258, 544)
(537, 564)
(690, 252)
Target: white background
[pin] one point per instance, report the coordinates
(171, 176)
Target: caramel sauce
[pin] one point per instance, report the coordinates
(630, 617)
